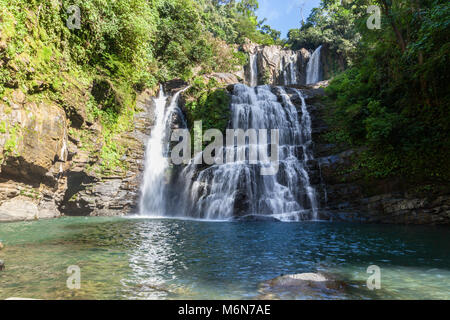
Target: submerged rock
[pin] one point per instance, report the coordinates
(257, 217)
(302, 286)
(2, 265)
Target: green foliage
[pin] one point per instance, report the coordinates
(11, 143)
(395, 100)
(235, 21)
(206, 102)
(2, 126)
(333, 24)
(266, 77)
(121, 47)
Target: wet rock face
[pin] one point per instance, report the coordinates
(224, 78)
(91, 194)
(346, 195)
(45, 173)
(174, 85)
(277, 66)
(33, 157)
(331, 64)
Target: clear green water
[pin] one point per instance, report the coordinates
(125, 258)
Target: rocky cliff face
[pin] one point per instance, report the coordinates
(345, 194)
(45, 171)
(330, 63)
(90, 193)
(277, 66)
(33, 137)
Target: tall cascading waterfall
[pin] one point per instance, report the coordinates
(253, 69)
(313, 67)
(154, 187)
(224, 191)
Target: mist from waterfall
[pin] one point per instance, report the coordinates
(236, 189)
(155, 180)
(313, 67)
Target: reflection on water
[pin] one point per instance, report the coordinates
(123, 258)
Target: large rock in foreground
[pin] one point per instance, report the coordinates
(302, 286)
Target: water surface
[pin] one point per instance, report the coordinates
(126, 258)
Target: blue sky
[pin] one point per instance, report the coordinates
(283, 15)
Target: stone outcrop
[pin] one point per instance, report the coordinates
(33, 144)
(46, 172)
(89, 193)
(277, 66)
(224, 78)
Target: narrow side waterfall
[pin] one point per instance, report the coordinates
(282, 71)
(288, 69)
(313, 67)
(292, 69)
(153, 189)
(254, 70)
(237, 189)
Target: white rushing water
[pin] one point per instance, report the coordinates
(313, 67)
(254, 70)
(224, 191)
(153, 189)
(288, 69)
(292, 69)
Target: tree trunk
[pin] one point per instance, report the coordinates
(398, 34)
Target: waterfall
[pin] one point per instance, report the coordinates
(254, 70)
(224, 191)
(313, 67)
(285, 78)
(288, 69)
(305, 127)
(281, 72)
(292, 71)
(153, 189)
